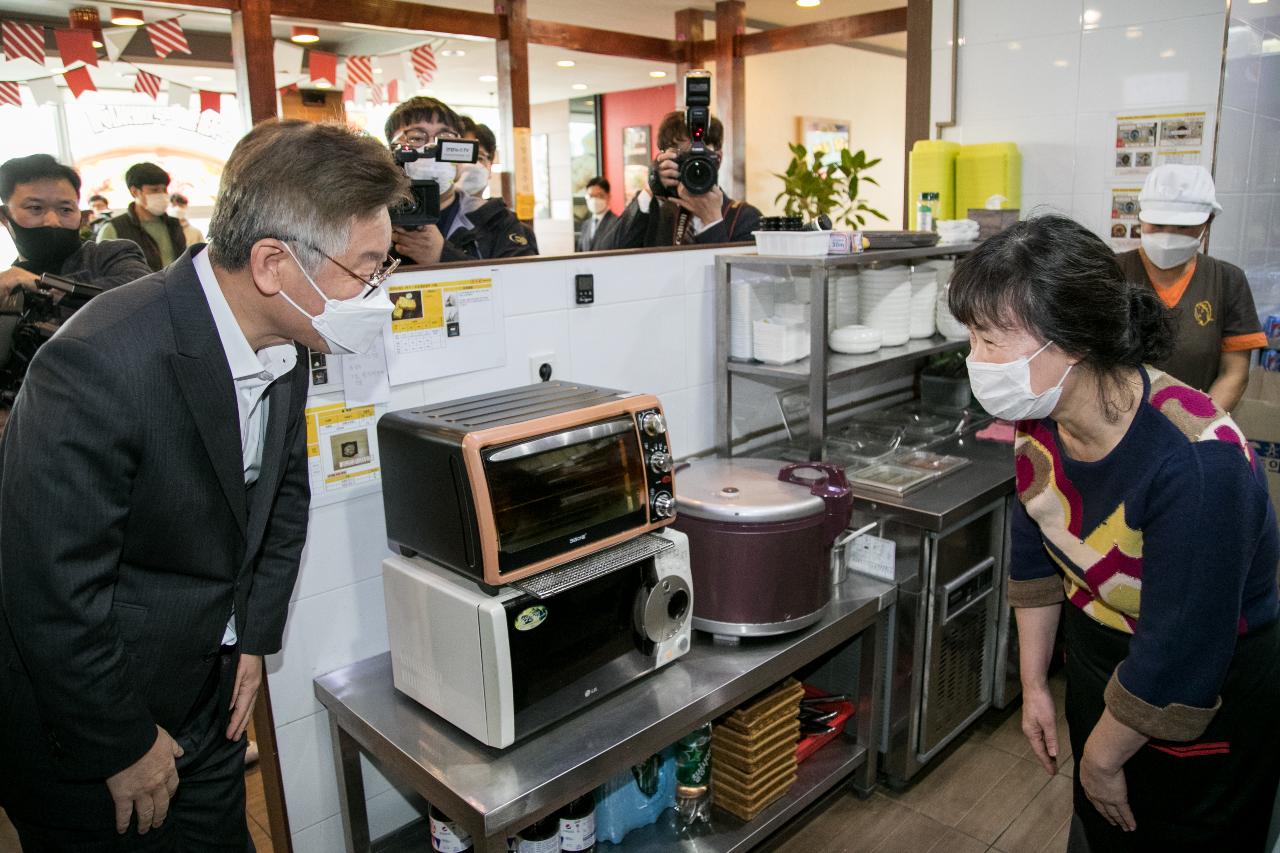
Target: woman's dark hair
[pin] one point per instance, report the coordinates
(1055, 278)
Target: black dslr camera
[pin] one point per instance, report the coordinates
(424, 206)
(699, 166)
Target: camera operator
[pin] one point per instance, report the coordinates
(681, 217)
(473, 178)
(469, 228)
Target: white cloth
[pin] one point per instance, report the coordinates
(251, 372)
(644, 199)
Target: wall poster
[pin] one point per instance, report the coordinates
(637, 156)
(828, 135)
(342, 451)
(441, 326)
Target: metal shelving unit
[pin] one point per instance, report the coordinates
(822, 366)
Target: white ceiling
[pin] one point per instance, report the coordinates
(458, 78)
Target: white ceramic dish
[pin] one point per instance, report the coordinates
(855, 340)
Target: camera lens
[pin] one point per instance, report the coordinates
(698, 175)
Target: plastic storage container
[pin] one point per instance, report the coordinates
(933, 170)
(993, 168)
(793, 244)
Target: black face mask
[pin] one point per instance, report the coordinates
(46, 248)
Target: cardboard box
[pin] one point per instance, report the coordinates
(1258, 415)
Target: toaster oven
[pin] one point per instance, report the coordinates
(505, 485)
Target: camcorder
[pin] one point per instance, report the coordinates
(699, 166)
(423, 208)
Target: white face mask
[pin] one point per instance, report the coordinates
(1167, 249)
(472, 178)
(350, 326)
(1004, 390)
(178, 212)
(424, 169)
(155, 203)
(597, 205)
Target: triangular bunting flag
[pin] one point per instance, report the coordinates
(179, 95)
(377, 95)
(9, 93)
(76, 46)
(23, 40)
(424, 63)
(393, 91)
(349, 91)
(360, 70)
(292, 87)
(167, 37)
(360, 94)
(393, 67)
(210, 101)
(116, 40)
(287, 58)
(44, 90)
(324, 66)
(148, 84)
(79, 81)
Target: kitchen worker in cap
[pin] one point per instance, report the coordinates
(1216, 323)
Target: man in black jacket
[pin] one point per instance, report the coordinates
(146, 221)
(470, 228)
(600, 220)
(154, 497)
(685, 219)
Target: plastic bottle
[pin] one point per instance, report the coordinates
(447, 836)
(924, 211)
(542, 837)
(578, 825)
(693, 777)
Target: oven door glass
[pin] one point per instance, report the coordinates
(558, 492)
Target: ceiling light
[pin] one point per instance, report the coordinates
(323, 84)
(202, 78)
(1271, 45)
(127, 18)
(808, 4)
(1013, 45)
(305, 35)
(453, 52)
(657, 74)
(488, 78)
(86, 18)
(1257, 2)
(565, 63)
(377, 71)
(1091, 17)
(579, 86)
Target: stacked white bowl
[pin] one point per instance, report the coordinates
(884, 302)
(843, 310)
(924, 297)
(854, 340)
(750, 299)
(950, 328)
(797, 311)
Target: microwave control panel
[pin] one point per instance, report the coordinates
(658, 460)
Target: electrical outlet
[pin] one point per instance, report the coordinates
(541, 363)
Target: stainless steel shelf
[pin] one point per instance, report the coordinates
(839, 365)
(870, 256)
(825, 769)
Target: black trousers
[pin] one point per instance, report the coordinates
(206, 815)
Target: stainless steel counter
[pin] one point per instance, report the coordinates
(493, 792)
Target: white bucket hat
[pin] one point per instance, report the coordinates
(1175, 194)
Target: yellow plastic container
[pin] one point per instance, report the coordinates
(933, 170)
(982, 171)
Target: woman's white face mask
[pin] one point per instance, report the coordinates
(1004, 390)
(349, 326)
(1169, 249)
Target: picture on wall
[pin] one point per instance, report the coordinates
(637, 154)
(828, 135)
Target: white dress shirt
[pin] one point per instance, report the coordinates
(645, 198)
(251, 372)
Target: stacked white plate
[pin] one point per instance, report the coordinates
(884, 302)
(798, 311)
(956, 231)
(924, 296)
(855, 340)
(949, 327)
(776, 340)
(843, 308)
(750, 299)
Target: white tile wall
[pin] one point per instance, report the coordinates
(1269, 82)
(307, 768)
(1264, 167)
(1047, 145)
(634, 345)
(1174, 63)
(1017, 78)
(1235, 144)
(1244, 66)
(1226, 232)
(989, 21)
(1120, 13)
(323, 837)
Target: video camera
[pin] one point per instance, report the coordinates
(424, 206)
(699, 166)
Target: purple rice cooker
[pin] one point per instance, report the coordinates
(760, 534)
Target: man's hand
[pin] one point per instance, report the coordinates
(147, 785)
(15, 276)
(708, 207)
(248, 680)
(1107, 789)
(423, 244)
(668, 168)
(1040, 725)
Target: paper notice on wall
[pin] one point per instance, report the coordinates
(364, 377)
(325, 373)
(1143, 142)
(342, 452)
(442, 326)
(1126, 230)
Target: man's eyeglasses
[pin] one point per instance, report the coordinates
(418, 139)
(373, 283)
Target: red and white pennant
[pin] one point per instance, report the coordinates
(23, 40)
(424, 63)
(167, 37)
(147, 83)
(360, 70)
(9, 93)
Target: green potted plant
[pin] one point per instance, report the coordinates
(827, 189)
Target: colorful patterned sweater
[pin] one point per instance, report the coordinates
(1171, 538)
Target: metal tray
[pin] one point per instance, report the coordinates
(900, 239)
(891, 478)
(924, 460)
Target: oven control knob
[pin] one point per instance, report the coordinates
(660, 462)
(664, 506)
(653, 424)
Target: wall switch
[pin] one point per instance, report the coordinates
(584, 289)
(543, 367)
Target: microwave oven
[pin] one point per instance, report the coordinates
(502, 666)
(508, 484)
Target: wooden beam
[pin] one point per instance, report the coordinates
(604, 42)
(192, 4)
(919, 70)
(391, 14)
(513, 98)
(819, 33)
(252, 52)
(689, 33)
(730, 85)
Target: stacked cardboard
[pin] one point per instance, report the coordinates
(753, 751)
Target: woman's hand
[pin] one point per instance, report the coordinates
(1040, 725)
(1107, 789)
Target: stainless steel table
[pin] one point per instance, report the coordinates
(493, 793)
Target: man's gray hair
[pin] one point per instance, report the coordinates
(301, 182)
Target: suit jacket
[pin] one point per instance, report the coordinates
(126, 536)
(601, 235)
(636, 229)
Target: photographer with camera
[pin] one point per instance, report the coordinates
(692, 208)
(443, 223)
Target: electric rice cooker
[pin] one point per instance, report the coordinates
(760, 535)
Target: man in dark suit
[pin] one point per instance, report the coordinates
(600, 219)
(154, 497)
